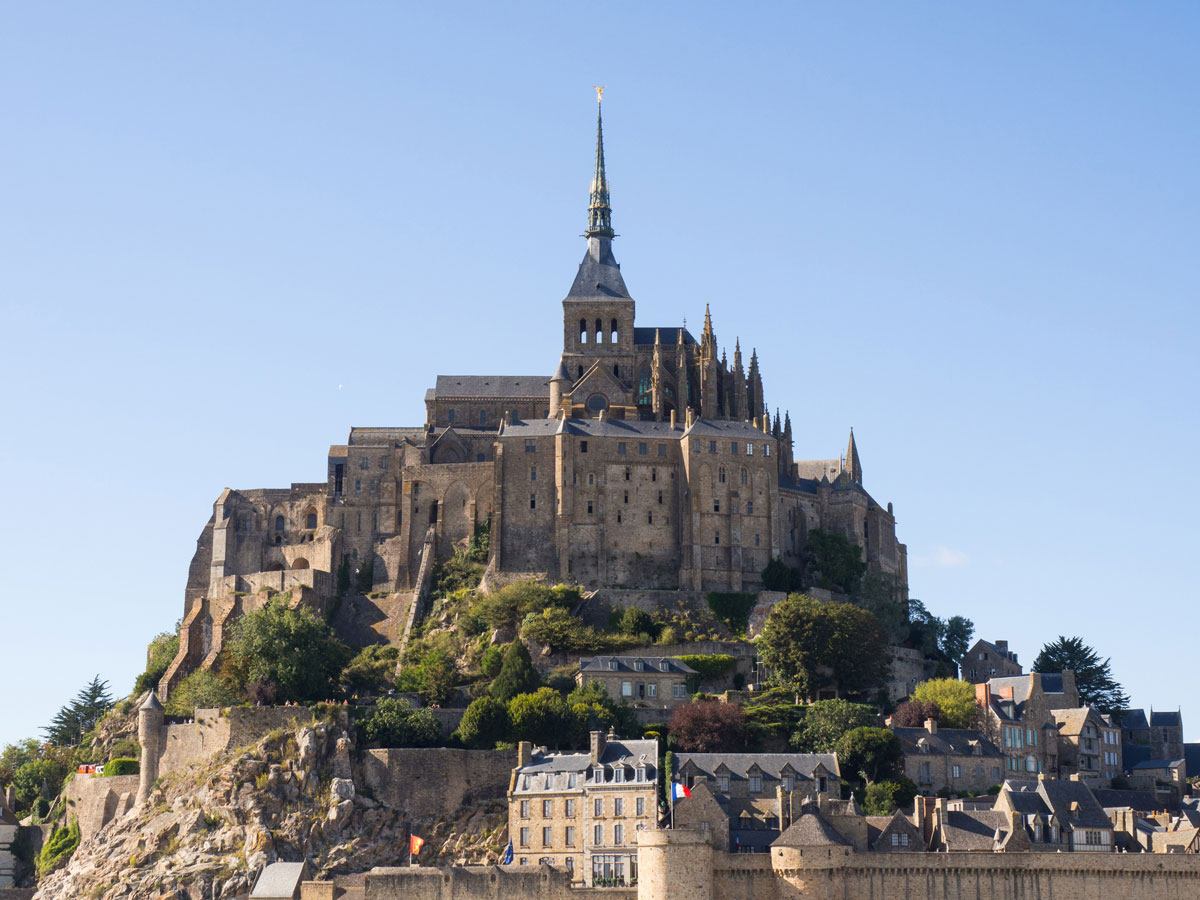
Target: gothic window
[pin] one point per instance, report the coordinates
(279, 523)
(616, 368)
(450, 416)
(766, 449)
(721, 474)
(643, 391)
(599, 332)
(613, 335)
(745, 476)
(582, 333)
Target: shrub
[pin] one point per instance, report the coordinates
(484, 723)
(541, 717)
(159, 655)
(199, 690)
(884, 797)
(557, 628)
(58, 849)
(825, 721)
(779, 576)
(125, 747)
(372, 669)
(872, 754)
(121, 766)
(394, 723)
(709, 666)
(732, 608)
(634, 621)
(491, 661)
(517, 674)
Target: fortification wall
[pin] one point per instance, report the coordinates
(483, 883)
(215, 730)
(94, 800)
(435, 782)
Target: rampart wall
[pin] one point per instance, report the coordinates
(95, 800)
(483, 883)
(435, 782)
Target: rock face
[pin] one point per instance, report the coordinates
(206, 833)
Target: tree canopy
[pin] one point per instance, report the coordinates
(807, 643)
(872, 754)
(395, 723)
(827, 720)
(1093, 676)
(954, 699)
(484, 723)
(833, 561)
(517, 674)
(542, 717)
(708, 726)
(79, 716)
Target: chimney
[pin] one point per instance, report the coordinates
(687, 417)
(1075, 776)
(524, 753)
(1041, 776)
(784, 800)
(597, 745)
(1001, 645)
(931, 726)
(983, 694)
(602, 414)
(672, 420)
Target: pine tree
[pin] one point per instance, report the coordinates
(517, 674)
(1093, 677)
(79, 716)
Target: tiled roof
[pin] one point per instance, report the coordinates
(629, 664)
(946, 742)
(508, 387)
(771, 764)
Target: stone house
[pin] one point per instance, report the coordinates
(956, 760)
(1017, 717)
(1057, 814)
(760, 792)
(655, 682)
(989, 659)
(582, 811)
(1089, 744)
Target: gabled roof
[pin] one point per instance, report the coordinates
(1165, 719)
(771, 764)
(726, 428)
(810, 830)
(946, 742)
(1134, 720)
(975, 829)
(1071, 721)
(881, 828)
(1139, 801)
(1073, 803)
(507, 387)
(629, 664)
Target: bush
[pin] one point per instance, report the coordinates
(491, 661)
(517, 674)
(121, 766)
(394, 723)
(58, 849)
(125, 747)
(633, 621)
(872, 754)
(825, 721)
(779, 576)
(484, 723)
(371, 671)
(884, 797)
(709, 666)
(557, 628)
(200, 690)
(732, 608)
(513, 602)
(159, 656)
(541, 717)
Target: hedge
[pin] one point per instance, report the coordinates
(709, 665)
(122, 766)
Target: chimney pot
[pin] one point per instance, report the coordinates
(931, 726)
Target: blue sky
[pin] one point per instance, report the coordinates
(232, 231)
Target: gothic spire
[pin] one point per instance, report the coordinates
(853, 466)
(599, 211)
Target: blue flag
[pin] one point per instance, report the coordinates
(508, 855)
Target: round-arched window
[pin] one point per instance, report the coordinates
(597, 402)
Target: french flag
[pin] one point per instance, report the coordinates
(678, 791)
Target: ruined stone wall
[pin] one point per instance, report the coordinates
(434, 783)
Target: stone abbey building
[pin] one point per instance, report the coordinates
(647, 459)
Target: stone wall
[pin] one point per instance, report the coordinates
(434, 783)
(483, 883)
(215, 730)
(96, 800)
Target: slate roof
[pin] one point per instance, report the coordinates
(1191, 753)
(1134, 720)
(771, 764)
(946, 742)
(1071, 721)
(627, 664)
(810, 830)
(1132, 754)
(1139, 801)
(522, 387)
(972, 829)
(725, 428)
(599, 274)
(1159, 764)
(1059, 795)
(668, 334)
(550, 771)
(1018, 683)
(1165, 719)
(278, 880)
(629, 428)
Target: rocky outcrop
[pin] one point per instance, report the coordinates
(298, 793)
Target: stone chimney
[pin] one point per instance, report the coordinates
(983, 695)
(672, 420)
(784, 799)
(931, 726)
(524, 753)
(1002, 646)
(597, 743)
(688, 417)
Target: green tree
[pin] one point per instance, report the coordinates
(159, 655)
(80, 716)
(1093, 676)
(291, 649)
(634, 621)
(871, 754)
(541, 717)
(956, 639)
(517, 674)
(371, 671)
(708, 726)
(491, 661)
(484, 723)
(804, 638)
(16, 755)
(826, 721)
(955, 701)
(199, 690)
(31, 778)
(592, 709)
(882, 798)
(395, 723)
(833, 561)
(779, 576)
(438, 675)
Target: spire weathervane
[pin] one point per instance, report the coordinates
(599, 211)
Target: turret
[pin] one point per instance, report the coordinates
(853, 466)
(150, 728)
(559, 383)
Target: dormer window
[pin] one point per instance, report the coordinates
(598, 774)
(619, 774)
(640, 773)
(723, 784)
(665, 666)
(789, 783)
(756, 784)
(612, 665)
(640, 666)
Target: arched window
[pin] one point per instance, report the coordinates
(643, 391)
(614, 335)
(300, 563)
(616, 370)
(599, 331)
(745, 476)
(310, 520)
(583, 331)
(581, 371)
(279, 523)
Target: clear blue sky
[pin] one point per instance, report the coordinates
(232, 231)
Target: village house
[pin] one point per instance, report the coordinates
(582, 811)
(989, 659)
(1017, 716)
(1057, 814)
(658, 682)
(1089, 744)
(955, 760)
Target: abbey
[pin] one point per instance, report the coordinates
(647, 459)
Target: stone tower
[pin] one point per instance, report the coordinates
(150, 728)
(675, 863)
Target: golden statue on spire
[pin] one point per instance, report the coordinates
(599, 92)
